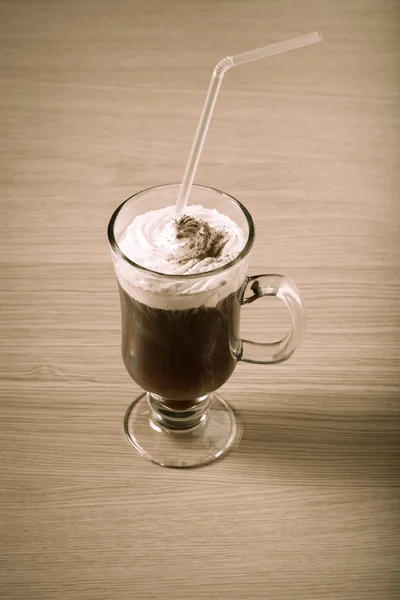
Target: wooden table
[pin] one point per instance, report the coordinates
(101, 99)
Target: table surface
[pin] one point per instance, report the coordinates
(101, 99)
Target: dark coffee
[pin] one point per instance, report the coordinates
(180, 354)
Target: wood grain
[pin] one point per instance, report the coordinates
(101, 99)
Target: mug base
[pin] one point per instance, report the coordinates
(208, 440)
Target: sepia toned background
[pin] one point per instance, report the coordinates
(99, 99)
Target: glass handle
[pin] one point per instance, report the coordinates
(286, 290)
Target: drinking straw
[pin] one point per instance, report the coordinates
(208, 107)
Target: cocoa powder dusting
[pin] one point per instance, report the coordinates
(203, 241)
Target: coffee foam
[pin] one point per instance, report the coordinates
(154, 241)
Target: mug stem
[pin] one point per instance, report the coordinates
(178, 415)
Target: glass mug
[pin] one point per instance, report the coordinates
(181, 340)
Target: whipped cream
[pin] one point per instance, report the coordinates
(198, 241)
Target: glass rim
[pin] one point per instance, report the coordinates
(242, 254)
